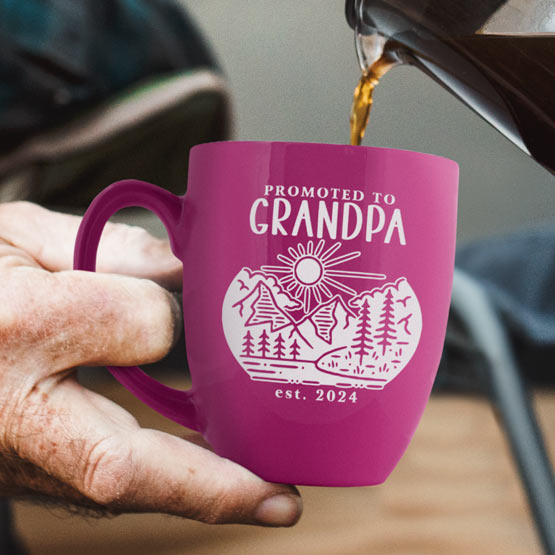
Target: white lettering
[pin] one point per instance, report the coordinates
(370, 228)
(347, 207)
(341, 219)
(277, 218)
(259, 229)
(325, 218)
(322, 192)
(303, 216)
(396, 223)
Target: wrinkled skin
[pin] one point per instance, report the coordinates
(65, 443)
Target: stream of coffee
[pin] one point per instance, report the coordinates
(363, 97)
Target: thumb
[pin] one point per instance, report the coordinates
(181, 478)
(101, 452)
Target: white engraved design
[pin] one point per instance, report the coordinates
(297, 323)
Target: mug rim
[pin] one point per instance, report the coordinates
(338, 145)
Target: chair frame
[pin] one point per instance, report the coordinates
(511, 400)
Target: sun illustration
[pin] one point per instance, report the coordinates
(307, 272)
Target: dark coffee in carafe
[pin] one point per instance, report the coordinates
(506, 77)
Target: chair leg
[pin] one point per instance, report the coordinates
(512, 401)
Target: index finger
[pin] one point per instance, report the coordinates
(49, 237)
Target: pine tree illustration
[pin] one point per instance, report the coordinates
(363, 337)
(386, 332)
(263, 344)
(279, 349)
(248, 344)
(295, 349)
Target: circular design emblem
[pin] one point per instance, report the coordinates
(302, 322)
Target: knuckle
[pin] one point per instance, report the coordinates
(38, 312)
(225, 503)
(86, 319)
(17, 300)
(130, 237)
(110, 317)
(217, 513)
(107, 472)
(14, 212)
(17, 206)
(22, 205)
(140, 247)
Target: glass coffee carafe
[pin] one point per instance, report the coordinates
(497, 56)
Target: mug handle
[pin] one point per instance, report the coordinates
(175, 404)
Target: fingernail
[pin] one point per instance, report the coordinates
(279, 510)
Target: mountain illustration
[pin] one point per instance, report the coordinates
(357, 339)
(260, 307)
(326, 318)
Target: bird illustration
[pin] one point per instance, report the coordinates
(403, 301)
(242, 285)
(405, 321)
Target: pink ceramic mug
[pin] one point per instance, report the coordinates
(316, 290)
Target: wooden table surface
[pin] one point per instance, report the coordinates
(454, 492)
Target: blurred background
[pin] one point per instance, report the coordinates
(291, 69)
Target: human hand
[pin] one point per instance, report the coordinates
(64, 442)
